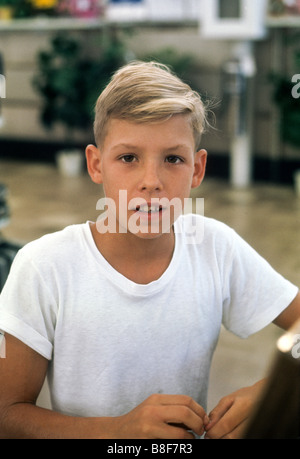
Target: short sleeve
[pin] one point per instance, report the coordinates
(27, 306)
(254, 293)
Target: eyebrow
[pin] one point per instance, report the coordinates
(178, 147)
(132, 146)
(124, 145)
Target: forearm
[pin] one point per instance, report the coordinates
(160, 416)
(27, 421)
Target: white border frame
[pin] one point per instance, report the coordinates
(250, 26)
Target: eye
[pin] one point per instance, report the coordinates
(173, 159)
(127, 158)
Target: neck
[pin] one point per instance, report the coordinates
(141, 260)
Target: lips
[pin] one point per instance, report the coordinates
(148, 208)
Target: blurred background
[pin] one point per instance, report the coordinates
(243, 56)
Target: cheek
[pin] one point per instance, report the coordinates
(187, 179)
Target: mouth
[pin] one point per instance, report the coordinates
(149, 208)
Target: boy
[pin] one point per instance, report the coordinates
(123, 314)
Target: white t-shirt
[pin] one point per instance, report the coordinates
(111, 342)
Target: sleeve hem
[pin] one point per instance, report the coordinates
(258, 323)
(20, 330)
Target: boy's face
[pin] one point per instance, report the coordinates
(151, 163)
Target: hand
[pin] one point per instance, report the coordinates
(163, 416)
(228, 419)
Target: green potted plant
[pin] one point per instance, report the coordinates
(70, 78)
(286, 98)
(181, 63)
(6, 9)
(14, 9)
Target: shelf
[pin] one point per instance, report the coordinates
(283, 21)
(43, 24)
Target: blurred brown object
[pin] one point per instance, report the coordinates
(277, 415)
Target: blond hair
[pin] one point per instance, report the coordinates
(144, 92)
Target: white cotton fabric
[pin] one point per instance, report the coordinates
(111, 342)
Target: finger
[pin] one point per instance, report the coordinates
(185, 418)
(185, 400)
(175, 432)
(183, 426)
(236, 433)
(180, 400)
(218, 412)
(227, 426)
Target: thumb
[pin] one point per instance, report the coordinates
(218, 412)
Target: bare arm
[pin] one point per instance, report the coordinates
(22, 374)
(290, 315)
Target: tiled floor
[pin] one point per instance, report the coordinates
(268, 217)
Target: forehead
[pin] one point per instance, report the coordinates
(176, 130)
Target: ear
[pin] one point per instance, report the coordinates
(199, 168)
(93, 159)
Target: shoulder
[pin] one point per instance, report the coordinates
(199, 229)
(53, 246)
(206, 241)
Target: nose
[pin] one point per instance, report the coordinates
(151, 178)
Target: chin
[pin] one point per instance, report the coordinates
(148, 235)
